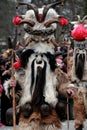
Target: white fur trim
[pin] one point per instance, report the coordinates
(6, 86)
(50, 92)
(26, 96)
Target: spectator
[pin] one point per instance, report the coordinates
(1, 90)
(60, 55)
(5, 102)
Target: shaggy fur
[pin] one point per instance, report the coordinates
(50, 122)
(37, 97)
(19, 76)
(79, 78)
(63, 82)
(40, 80)
(80, 107)
(80, 98)
(79, 111)
(79, 69)
(79, 65)
(34, 61)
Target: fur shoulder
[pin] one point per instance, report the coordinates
(62, 77)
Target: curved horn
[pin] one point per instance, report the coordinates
(79, 18)
(54, 4)
(30, 6)
(84, 18)
(22, 16)
(48, 23)
(46, 8)
(74, 22)
(78, 21)
(29, 22)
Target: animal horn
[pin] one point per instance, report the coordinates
(30, 6)
(84, 18)
(46, 8)
(74, 22)
(29, 22)
(48, 23)
(79, 19)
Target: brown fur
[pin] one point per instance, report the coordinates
(51, 120)
(28, 40)
(70, 63)
(48, 127)
(63, 81)
(33, 125)
(34, 116)
(61, 76)
(79, 110)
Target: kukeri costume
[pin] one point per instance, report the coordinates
(38, 98)
(79, 72)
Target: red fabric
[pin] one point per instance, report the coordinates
(1, 89)
(1, 124)
(40, 18)
(17, 20)
(63, 21)
(79, 33)
(17, 64)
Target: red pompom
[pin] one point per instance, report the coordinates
(17, 64)
(17, 20)
(63, 21)
(79, 33)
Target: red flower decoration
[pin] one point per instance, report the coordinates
(79, 33)
(17, 64)
(17, 20)
(63, 21)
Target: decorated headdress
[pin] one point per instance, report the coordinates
(79, 34)
(43, 18)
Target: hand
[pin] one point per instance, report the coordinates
(13, 83)
(5, 72)
(70, 92)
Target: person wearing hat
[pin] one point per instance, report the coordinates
(60, 56)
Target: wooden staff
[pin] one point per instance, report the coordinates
(68, 44)
(13, 93)
(68, 113)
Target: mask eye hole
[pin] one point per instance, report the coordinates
(41, 55)
(84, 51)
(36, 55)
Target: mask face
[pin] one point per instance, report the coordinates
(80, 59)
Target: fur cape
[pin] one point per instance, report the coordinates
(38, 122)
